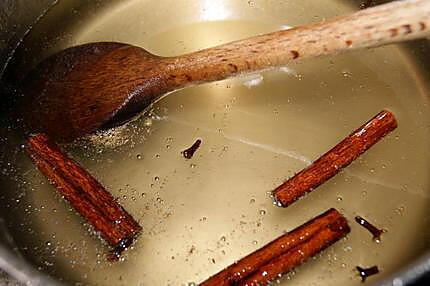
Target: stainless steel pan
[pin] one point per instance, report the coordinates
(201, 215)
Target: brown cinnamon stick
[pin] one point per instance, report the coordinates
(284, 253)
(334, 160)
(85, 194)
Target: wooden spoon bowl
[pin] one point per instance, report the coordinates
(88, 87)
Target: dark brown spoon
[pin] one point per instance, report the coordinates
(88, 87)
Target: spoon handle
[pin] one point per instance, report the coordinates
(389, 23)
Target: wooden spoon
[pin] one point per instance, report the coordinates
(84, 88)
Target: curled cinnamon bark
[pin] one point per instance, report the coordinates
(334, 160)
(85, 194)
(284, 253)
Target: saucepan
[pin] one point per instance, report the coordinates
(201, 214)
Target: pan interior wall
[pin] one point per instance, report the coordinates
(202, 214)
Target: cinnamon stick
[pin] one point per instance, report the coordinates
(85, 194)
(284, 253)
(334, 160)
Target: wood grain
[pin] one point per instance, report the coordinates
(335, 159)
(284, 253)
(97, 85)
(87, 196)
(296, 256)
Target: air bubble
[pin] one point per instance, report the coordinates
(400, 210)
(346, 74)
(147, 122)
(264, 273)
(47, 263)
(277, 203)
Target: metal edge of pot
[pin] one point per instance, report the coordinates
(16, 19)
(21, 270)
(12, 262)
(19, 16)
(414, 274)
